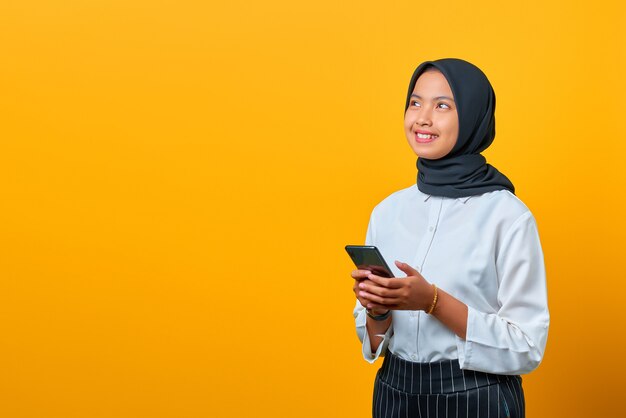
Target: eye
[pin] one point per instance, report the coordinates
(414, 103)
(445, 106)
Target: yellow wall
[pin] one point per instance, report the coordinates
(178, 181)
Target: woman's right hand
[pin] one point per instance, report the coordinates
(360, 276)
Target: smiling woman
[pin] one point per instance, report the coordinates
(466, 312)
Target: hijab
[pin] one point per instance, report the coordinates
(463, 171)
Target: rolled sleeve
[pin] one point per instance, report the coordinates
(360, 317)
(513, 339)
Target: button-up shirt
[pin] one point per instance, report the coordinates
(485, 251)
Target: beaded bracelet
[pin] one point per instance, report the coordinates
(432, 307)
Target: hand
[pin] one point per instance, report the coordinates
(360, 276)
(410, 293)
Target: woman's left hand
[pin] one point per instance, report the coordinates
(410, 293)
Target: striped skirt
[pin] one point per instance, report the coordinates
(404, 389)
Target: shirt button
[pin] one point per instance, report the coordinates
(431, 229)
(413, 356)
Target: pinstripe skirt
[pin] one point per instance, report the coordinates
(404, 389)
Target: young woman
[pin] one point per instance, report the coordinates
(467, 311)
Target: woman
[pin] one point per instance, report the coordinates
(471, 313)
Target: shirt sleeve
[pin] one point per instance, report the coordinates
(512, 340)
(360, 318)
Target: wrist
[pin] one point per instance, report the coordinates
(378, 314)
(377, 311)
(435, 299)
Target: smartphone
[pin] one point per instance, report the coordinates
(367, 257)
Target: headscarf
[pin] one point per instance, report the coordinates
(464, 171)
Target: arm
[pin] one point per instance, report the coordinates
(374, 335)
(451, 312)
(509, 341)
(513, 339)
(376, 329)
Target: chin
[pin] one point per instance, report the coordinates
(428, 156)
(425, 154)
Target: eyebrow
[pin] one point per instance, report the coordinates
(435, 98)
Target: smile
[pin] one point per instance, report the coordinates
(423, 138)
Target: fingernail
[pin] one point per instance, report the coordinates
(361, 293)
(362, 285)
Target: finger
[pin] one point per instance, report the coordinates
(366, 282)
(378, 299)
(360, 274)
(379, 290)
(372, 305)
(392, 283)
(410, 271)
(363, 302)
(357, 283)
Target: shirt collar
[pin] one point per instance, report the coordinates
(463, 199)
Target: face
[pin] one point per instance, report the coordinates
(431, 122)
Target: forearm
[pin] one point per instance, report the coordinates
(451, 312)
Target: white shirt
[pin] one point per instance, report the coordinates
(485, 251)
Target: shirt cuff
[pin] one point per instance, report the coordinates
(464, 346)
(513, 353)
(366, 346)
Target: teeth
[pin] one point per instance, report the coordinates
(424, 136)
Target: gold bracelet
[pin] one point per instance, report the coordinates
(432, 307)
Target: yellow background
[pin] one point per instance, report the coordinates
(179, 178)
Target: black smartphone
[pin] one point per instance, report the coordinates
(367, 257)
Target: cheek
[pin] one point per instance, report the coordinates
(408, 122)
(452, 127)
(455, 132)
(454, 136)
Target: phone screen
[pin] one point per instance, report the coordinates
(367, 257)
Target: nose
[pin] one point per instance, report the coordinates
(424, 118)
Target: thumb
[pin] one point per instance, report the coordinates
(410, 271)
